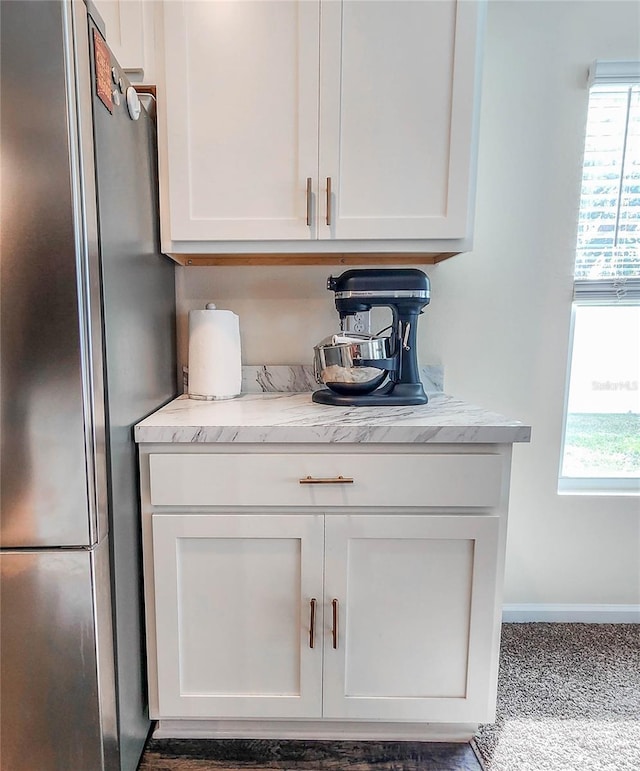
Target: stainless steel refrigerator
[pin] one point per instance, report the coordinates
(87, 334)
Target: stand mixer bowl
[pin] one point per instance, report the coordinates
(352, 363)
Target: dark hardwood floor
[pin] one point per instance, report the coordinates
(270, 755)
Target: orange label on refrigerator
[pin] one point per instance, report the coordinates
(103, 70)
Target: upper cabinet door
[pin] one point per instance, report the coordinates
(130, 31)
(396, 118)
(242, 116)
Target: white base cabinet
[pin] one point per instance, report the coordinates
(328, 613)
(396, 631)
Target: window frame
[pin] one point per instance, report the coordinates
(570, 485)
(599, 292)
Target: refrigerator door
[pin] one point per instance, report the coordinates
(57, 684)
(138, 286)
(51, 421)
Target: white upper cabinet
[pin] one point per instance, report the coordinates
(318, 125)
(242, 117)
(396, 117)
(130, 31)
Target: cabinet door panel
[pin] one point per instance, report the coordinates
(242, 116)
(128, 24)
(417, 600)
(394, 600)
(232, 615)
(396, 106)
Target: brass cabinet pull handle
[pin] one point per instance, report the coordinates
(334, 629)
(309, 198)
(329, 201)
(326, 481)
(312, 622)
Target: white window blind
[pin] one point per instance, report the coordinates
(607, 266)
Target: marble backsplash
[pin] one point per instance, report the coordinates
(267, 378)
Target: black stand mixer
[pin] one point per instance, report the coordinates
(355, 367)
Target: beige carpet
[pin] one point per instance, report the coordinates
(568, 699)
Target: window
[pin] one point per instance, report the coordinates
(601, 450)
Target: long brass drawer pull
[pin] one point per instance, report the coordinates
(309, 201)
(312, 622)
(326, 481)
(334, 629)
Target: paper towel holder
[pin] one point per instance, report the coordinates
(218, 377)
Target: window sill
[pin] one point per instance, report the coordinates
(611, 486)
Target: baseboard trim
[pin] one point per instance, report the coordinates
(519, 613)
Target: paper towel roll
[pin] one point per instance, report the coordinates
(215, 366)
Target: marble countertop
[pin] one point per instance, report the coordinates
(293, 417)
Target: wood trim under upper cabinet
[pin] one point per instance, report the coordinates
(310, 259)
(143, 89)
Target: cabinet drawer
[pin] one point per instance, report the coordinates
(274, 480)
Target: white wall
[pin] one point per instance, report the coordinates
(499, 316)
(284, 311)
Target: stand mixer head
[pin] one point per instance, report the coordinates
(406, 291)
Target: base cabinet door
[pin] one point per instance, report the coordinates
(233, 604)
(410, 602)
